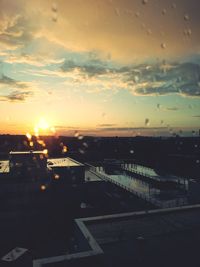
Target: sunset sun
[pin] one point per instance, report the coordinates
(43, 126)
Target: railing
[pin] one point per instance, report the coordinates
(148, 198)
(133, 169)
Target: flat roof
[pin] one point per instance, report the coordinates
(120, 235)
(151, 173)
(4, 166)
(63, 162)
(26, 152)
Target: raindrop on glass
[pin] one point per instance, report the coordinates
(54, 7)
(85, 144)
(147, 122)
(55, 17)
(137, 14)
(149, 31)
(117, 12)
(83, 205)
(80, 137)
(163, 45)
(186, 17)
(144, 2)
(187, 32)
(174, 5)
(136, 78)
(81, 151)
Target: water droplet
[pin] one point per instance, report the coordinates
(132, 151)
(45, 151)
(55, 17)
(161, 122)
(197, 161)
(158, 106)
(81, 151)
(186, 17)
(83, 205)
(56, 176)
(149, 31)
(80, 137)
(137, 14)
(147, 122)
(163, 45)
(189, 32)
(136, 78)
(174, 5)
(29, 136)
(76, 134)
(43, 187)
(64, 149)
(54, 7)
(144, 2)
(117, 11)
(164, 11)
(85, 144)
(31, 143)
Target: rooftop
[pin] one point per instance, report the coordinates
(4, 166)
(140, 238)
(26, 152)
(151, 173)
(63, 162)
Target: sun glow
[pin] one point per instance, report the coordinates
(43, 124)
(43, 127)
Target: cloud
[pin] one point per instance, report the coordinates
(34, 60)
(5, 80)
(16, 32)
(20, 90)
(196, 116)
(180, 78)
(93, 67)
(16, 96)
(142, 80)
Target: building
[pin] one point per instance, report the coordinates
(28, 173)
(168, 237)
(28, 164)
(66, 170)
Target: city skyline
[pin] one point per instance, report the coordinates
(102, 68)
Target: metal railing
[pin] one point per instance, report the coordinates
(133, 168)
(163, 204)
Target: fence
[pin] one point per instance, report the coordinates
(163, 204)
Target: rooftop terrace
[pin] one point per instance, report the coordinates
(63, 162)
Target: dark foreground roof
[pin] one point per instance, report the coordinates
(169, 237)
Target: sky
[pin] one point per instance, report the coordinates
(100, 67)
